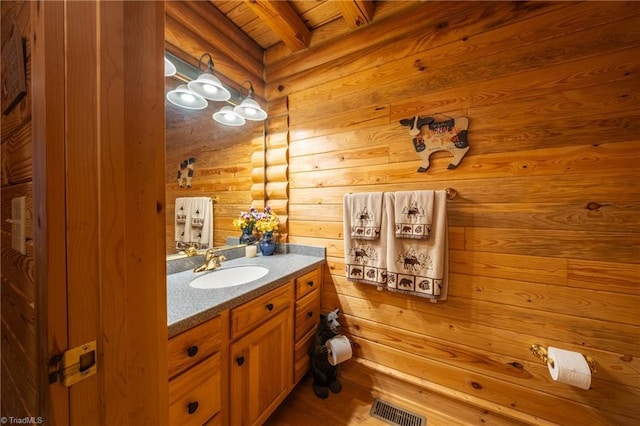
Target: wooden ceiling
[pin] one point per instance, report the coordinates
(237, 33)
(291, 22)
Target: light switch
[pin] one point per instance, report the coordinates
(17, 224)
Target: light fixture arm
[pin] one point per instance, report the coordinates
(250, 93)
(209, 62)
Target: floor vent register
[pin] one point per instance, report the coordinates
(394, 415)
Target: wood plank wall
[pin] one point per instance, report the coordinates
(19, 343)
(544, 231)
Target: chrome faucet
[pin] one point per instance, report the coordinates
(211, 261)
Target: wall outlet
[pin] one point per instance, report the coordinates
(18, 241)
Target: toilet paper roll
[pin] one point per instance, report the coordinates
(569, 367)
(339, 349)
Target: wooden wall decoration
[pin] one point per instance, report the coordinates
(185, 172)
(14, 84)
(431, 135)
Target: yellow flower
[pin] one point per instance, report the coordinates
(268, 223)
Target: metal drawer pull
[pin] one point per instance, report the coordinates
(192, 351)
(310, 314)
(192, 407)
(269, 307)
(240, 360)
(310, 283)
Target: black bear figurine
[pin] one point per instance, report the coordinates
(325, 375)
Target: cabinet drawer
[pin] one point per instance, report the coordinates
(194, 396)
(301, 356)
(307, 313)
(259, 310)
(192, 346)
(307, 283)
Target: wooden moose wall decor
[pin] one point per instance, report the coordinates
(430, 136)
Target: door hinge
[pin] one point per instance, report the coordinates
(74, 365)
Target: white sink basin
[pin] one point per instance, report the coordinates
(229, 277)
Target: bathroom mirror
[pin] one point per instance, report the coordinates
(226, 163)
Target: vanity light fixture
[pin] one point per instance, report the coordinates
(249, 108)
(201, 87)
(208, 85)
(228, 117)
(184, 98)
(169, 68)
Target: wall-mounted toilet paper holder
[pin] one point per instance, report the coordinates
(541, 352)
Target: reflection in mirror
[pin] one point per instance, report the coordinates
(226, 163)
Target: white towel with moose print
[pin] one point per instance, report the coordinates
(413, 214)
(419, 266)
(364, 259)
(366, 213)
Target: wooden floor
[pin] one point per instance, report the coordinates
(360, 386)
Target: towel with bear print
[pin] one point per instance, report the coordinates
(419, 266)
(365, 258)
(413, 214)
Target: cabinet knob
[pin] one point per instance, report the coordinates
(269, 307)
(192, 351)
(240, 360)
(310, 314)
(192, 407)
(310, 283)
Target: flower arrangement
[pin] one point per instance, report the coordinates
(247, 219)
(266, 221)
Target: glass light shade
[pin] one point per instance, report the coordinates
(228, 117)
(209, 87)
(169, 68)
(250, 110)
(184, 98)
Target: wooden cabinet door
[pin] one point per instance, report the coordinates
(261, 370)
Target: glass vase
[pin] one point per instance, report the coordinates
(247, 235)
(267, 243)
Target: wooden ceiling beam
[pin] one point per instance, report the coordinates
(284, 21)
(356, 12)
(197, 23)
(192, 46)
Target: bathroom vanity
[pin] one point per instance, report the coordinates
(235, 353)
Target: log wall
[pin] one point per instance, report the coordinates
(19, 343)
(544, 233)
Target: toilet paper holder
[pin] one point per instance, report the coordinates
(541, 352)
